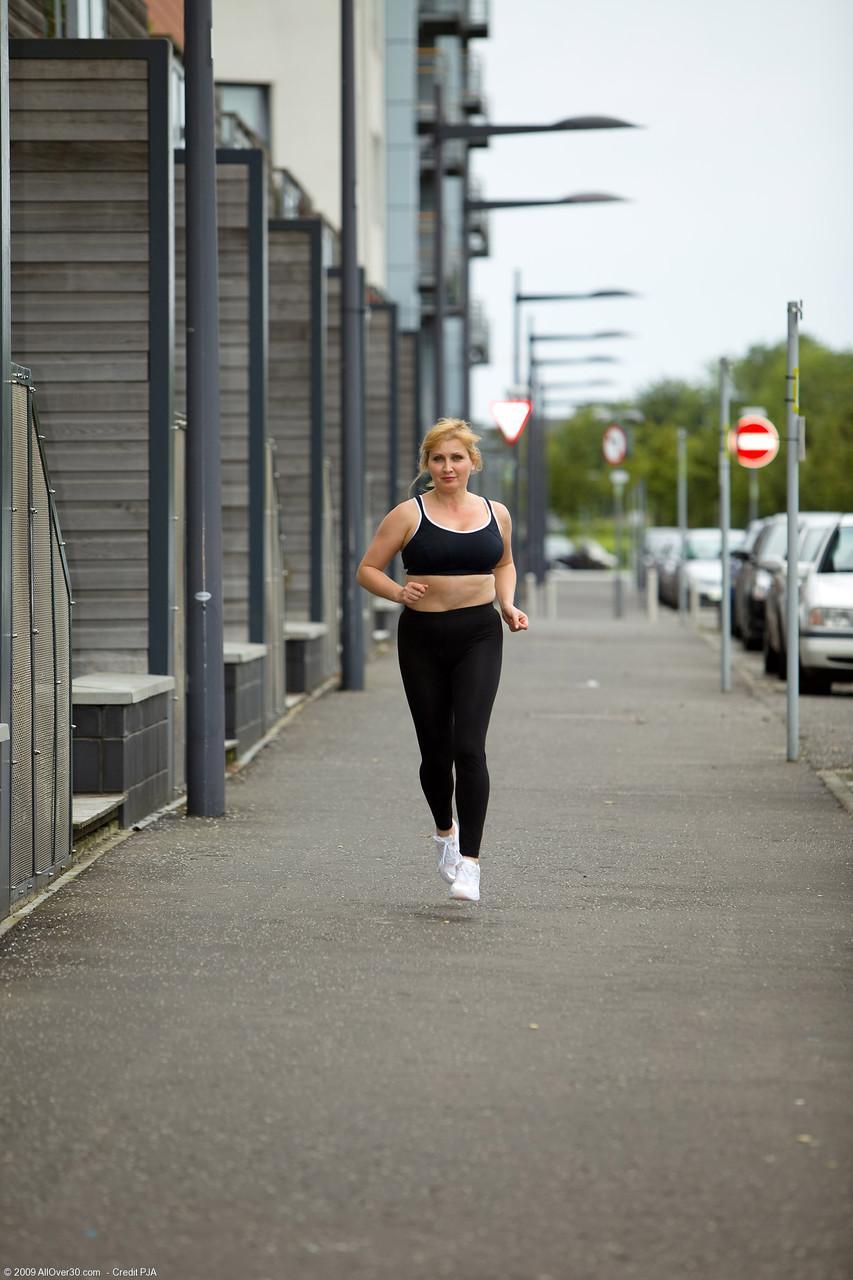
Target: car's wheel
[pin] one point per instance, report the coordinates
(816, 682)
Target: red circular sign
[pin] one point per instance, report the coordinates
(614, 445)
(756, 441)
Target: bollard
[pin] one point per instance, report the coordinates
(551, 597)
(694, 604)
(530, 595)
(652, 593)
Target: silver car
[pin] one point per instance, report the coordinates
(813, 527)
(826, 613)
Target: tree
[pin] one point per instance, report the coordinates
(579, 483)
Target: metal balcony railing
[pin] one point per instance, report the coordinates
(473, 97)
(40, 721)
(479, 351)
(449, 17)
(426, 271)
(478, 223)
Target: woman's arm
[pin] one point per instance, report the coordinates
(387, 542)
(505, 574)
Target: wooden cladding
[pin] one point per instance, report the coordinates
(84, 280)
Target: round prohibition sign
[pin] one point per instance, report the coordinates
(614, 445)
(756, 441)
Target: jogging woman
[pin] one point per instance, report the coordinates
(457, 555)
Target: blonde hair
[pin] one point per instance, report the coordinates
(445, 429)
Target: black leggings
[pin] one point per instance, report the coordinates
(451, 664)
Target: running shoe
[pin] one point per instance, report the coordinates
(448, 854)
(466, 886)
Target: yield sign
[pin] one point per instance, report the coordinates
(511, 416)
(756, 441)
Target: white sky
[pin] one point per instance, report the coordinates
(741, 181)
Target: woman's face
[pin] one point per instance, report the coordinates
(450, 466)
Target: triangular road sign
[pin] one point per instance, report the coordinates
(511, 417)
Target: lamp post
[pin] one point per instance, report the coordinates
(447, 131)
(473, 206)
(519, 298)
(537, 478)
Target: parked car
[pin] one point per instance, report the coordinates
(826, 612)
(656, 540)
(590, 554)
(813, 528)
(702, 566)
(557, 548)
(737, 558)
(753, 582)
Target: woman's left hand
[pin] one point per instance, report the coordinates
(514, 618)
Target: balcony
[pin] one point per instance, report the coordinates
(468, 18)
(478, 224)
(473, 97)
(426, 269)
(479, 349)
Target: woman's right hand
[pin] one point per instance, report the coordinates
(413, 592)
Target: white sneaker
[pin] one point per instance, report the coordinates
(448, 854)
(467, 883)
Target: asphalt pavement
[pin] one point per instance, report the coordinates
(269, 1047)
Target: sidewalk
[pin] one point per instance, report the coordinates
(269, 1046)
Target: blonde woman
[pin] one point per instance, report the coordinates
(457, 555)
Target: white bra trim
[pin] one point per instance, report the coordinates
(422, 506)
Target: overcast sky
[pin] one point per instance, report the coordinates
(741, 180)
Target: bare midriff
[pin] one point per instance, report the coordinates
(453, 591)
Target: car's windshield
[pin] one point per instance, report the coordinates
(810, 540)
(776, 541)
(704, 545)
(838, 557)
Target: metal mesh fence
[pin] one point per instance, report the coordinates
(22, 683)
(40, 829)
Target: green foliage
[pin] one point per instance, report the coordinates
(580, 489)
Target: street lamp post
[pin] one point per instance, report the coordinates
(519, 298)
(446, 131)
(470, 206)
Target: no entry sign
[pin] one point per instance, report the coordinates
(614, 445)
(756, 441)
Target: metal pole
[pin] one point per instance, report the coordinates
(205, 668)
(682, 522)
(753, 496)
(725, 521)
(438, 259)
(792, 443)
(618, 602)
(516, 330)
(352, 446)
(529, 554)
(465, 299)
(6, 620)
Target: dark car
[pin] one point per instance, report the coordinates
(753, 581)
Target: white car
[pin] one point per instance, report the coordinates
(826, 613)
(811, 535)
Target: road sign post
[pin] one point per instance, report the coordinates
(681, 497)
(792, 444)
(725, 521)
(618, 479)
(614, 447)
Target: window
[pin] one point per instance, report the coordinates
(250, 102)
(80, 19)
(86, 19)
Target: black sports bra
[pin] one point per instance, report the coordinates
(435, 549)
